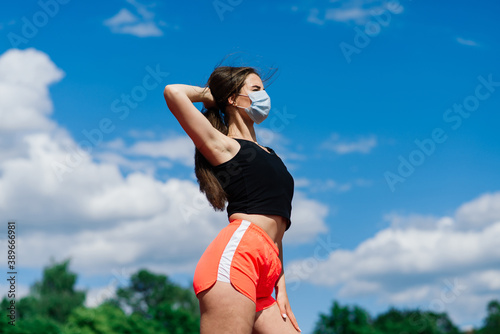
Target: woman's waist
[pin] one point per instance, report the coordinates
(273, 225)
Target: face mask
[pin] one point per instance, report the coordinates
(260, 107)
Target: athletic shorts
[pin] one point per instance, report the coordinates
(244, 255)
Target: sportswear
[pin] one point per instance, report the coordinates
(244, 255)
(256, 182)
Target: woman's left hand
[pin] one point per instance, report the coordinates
(284, 306)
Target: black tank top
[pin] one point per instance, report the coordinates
(256, 182)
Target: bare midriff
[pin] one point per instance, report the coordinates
(273, 225)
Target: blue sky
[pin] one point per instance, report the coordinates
(385, 113)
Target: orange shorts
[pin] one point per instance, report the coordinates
(244, 255)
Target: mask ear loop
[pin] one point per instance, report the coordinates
(234, 104)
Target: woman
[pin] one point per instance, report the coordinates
(236, 276)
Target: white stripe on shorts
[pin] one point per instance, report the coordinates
(227, 255)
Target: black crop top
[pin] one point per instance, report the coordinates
(256, 182)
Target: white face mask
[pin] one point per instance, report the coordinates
(260, 107)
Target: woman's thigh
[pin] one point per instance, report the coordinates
(270, 321)
(225, 310)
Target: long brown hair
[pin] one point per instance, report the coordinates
(225, 81)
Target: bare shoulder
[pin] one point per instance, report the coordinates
(220, 149)
(215, 146)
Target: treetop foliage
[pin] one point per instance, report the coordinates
(153, 304)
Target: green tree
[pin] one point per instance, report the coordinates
(355, 320)
(48, 305)
(35, 324)
(109, 319)
(54, 297)
(492, 321)
(345, 320)
(414, 322)
(154, 305)
(155, 297)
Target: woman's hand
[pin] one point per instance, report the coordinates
(284, 304)
(193, 93)
(207, 98)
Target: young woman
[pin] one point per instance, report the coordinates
(235, 278)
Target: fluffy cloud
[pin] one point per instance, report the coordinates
(480, 212)
(141, 24)
(179, 149)
(24, 98)
(438, 263)
(67, 204)
(308, 219)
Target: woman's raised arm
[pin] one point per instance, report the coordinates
(211, 143)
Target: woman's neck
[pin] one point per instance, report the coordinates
(238, 128)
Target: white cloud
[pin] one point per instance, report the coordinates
(416, 221)
(318, 185)
(127, 165)
(124, 16)
(144, 29)
(308, 219)
(142, 9)
(269, 137)
(354, 11)
(148, 156)
(179, 149)
(163, 239)
(362, 145)
(149, 134)
(96, 296)
(141, 24)
(275, 140)
(67, 204)
(24, 98)
(467, 42)
(347, 14)
(314, 17)
(480, 212)
(100, 218)
(438, 263)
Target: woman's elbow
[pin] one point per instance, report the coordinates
(169, 92)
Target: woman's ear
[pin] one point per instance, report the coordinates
(232, 100)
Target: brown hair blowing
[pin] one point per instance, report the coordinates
(224, 82)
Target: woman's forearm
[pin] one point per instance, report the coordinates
(281, 280)
(194, 93)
